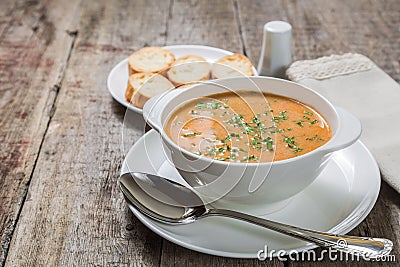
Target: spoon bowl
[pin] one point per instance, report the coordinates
(173, 204)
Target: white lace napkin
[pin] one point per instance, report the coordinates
(355, 83)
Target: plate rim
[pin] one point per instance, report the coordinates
(172, 47)
(370, 197)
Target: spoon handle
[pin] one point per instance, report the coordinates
(365, 247)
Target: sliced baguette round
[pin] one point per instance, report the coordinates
(232, 66)
(150, 59)
(146, 85)
(135, 81)
(187, 85)
(189, 69)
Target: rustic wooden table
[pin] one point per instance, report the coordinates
(61, 130)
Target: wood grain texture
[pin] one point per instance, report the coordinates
(324, 27)
(173, 255)
(211, 23)
(74, 214)
(34, 48)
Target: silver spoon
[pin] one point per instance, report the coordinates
(172, 203)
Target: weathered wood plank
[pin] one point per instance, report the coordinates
(322, 28)
(173, 255)
(74, 214)
(211, 23)
(34, 47)
(367, 27)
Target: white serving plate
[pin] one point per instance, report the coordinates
(336, 202)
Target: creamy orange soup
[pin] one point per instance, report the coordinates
(248, 126)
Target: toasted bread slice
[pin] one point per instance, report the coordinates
(150, 59)
(189, 69)
(135, 81)
(232, 66)
(143, 86)
(187, 85)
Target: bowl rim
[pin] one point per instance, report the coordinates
(168, 140)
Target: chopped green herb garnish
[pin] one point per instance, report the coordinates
(248, 130)
(282, 116)
(300, 123)
(262, 128)
(269, 143)
(315, 137)
(256, 121)
(297, 149)
(307, 112)
(278, 131)
(269, 146)
(215, 105)
(227, 138)
(288, 140)
(191, 134)
(235, 135)
(268, 139)
(314, 122)
(292, 144)
(312, 138)
(237, 117)
(255, 142)
(252, 157)
(201, 105)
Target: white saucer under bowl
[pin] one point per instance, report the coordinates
(118, 77)
(336, 202)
